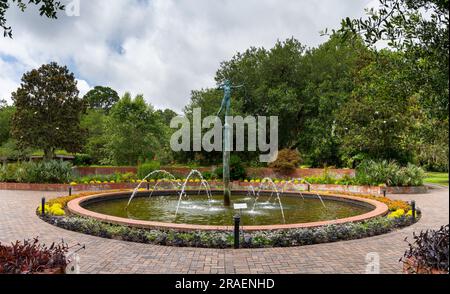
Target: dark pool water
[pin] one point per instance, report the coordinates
(198, 210)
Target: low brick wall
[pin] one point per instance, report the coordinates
(64, 187)
(407, 190)
(251, 172)
(374, 190)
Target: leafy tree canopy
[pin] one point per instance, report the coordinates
(48, 8)
(419, 28)
(134, 131)
(101, 98)
(48, 111)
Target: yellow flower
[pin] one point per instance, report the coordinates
(397, 214)
(409, 213)
(46, 208)
(73, 184)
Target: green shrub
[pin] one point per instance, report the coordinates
(8, 172)
(145, 168)
(83, 160)
(287, 161)
(48, 172)
(389, 173)
(414, 175)
(209, 175)
(237, 171)
(37, 172)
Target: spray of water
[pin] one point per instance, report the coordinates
(274, 190)
(204, 184)
(144, 179)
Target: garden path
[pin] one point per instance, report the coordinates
(18, 221)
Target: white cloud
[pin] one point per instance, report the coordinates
(83, 87)
(161, 48)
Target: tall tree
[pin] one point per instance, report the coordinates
(133, 130)
(101, 98)
(48, 111)
(331, 69)
(6, 113)
(94, 121)
(419, 28)
(49, 8)
(166, 115)
(379, 119)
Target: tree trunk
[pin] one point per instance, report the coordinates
(49, 154)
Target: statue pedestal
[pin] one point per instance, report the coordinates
(226, 163)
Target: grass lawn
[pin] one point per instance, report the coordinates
(437, 178)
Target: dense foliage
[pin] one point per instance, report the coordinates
(389, 173)
(37, 172)
(237, 171)
(287, 161)
(146, 168)
(418, 31)
(101, 98)
(48, 111)
(134, 131)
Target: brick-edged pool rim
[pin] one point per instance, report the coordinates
(76, 207)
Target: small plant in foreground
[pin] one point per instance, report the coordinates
(430, 251)
(30, 257)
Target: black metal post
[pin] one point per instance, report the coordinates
(43, 206)
(413, 208)
(309, 188)
(148, 186)
(70, 191)
(384, 192)
(237, 221)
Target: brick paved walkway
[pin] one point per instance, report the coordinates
(18, 221)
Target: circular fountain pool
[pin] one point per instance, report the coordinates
(199, 212)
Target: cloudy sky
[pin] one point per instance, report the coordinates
(161, 48)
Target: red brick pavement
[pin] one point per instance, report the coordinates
(18, 221)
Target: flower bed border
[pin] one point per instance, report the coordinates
(224, 239)
(75, 206)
